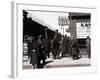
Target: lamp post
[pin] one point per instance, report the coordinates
(46, 36)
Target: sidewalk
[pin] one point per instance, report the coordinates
(67, 62)
(63, 62)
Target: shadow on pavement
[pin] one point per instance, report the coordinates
(42, 65)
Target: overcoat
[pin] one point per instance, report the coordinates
(34, 52)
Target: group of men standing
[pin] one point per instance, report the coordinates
(64, 45)
(39, 49)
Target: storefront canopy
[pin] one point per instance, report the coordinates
(34, 28)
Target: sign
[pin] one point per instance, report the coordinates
(83, 29)
(63, 21)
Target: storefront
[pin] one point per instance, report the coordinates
(80, 27)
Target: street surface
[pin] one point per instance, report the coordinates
(62, 62)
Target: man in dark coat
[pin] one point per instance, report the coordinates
(55, 47)
(47, 47)
(88, 45)
(30, 47)
(34, 58)
(65, 45)
(41, 50)
(75, 48)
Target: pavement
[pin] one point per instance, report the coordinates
(61, 62)
(67, 62)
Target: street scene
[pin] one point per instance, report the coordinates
(56, 39)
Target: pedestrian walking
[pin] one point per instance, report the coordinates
(65, 46)
(41, 51)
(88, 45)
(34, 58)
(55, 47)
(47, 47)
(30, 48)
(75, 49)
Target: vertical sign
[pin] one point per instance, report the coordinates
(63, 21)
